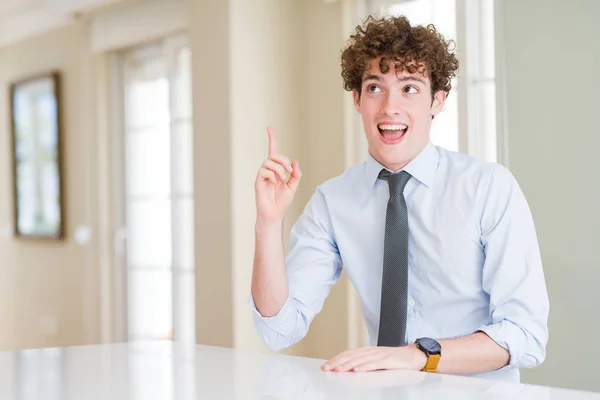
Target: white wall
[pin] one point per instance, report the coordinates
(324, 157)
(265, 90)
(254, 63)
(211, 87)
(48, 289)
(552, 58)
(269, 62)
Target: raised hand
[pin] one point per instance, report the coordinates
(276, 183)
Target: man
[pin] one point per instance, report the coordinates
(440, 246)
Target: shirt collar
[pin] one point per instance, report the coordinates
(422, 167)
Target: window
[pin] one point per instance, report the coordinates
(441, 13)
(156, 192)
(477, 50)
(468, 122)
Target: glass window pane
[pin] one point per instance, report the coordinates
(147, 103)
(444, 128)
(441, 13)
(488, 113)
(418, 12)
(444, 17)
(183, 79)
(183, 233)
(150, 304)
(159, 184)
(147, 161)
(149, 233)
(183, 167)
(487, 42)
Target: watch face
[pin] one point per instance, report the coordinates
(430, 345)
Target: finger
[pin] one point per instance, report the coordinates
(277, 168)
(343, 357)
(335, 361)
(272, 141)
(267, 175)
(295, 176)
(283, 160)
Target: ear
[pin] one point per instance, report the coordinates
(356, 98)
(439, 99)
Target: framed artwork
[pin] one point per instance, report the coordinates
(36, 157)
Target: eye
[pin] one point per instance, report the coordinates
(410, 89)
(373, 89)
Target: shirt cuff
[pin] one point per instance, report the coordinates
(283, 322)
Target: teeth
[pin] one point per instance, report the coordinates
(384, 127)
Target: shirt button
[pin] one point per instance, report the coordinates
(411, 302)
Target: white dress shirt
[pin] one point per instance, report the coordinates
(474, 261)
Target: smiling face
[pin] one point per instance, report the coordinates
(396, 109)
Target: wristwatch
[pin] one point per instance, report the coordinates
(432, 350)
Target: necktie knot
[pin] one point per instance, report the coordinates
(396, 181)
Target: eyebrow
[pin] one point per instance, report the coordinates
(401, 79)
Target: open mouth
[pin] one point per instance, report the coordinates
(392, 134)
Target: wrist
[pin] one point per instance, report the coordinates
(263, 224)
(418, 358)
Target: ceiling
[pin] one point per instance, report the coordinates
(10, 7)
(20, 19)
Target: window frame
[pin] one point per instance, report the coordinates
(469, 82)
(183, 326)
(470, 142)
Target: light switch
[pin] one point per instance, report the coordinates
(83, 234)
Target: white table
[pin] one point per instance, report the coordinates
(162, 370)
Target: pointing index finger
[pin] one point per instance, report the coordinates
(272, 141)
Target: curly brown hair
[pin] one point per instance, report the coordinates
(418, 48)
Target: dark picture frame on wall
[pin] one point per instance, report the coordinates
(36, 131)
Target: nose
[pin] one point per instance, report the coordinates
(391, 105)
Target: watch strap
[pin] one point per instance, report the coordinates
(432, 363)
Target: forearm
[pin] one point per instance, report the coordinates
(471, 354)
(269, 280)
